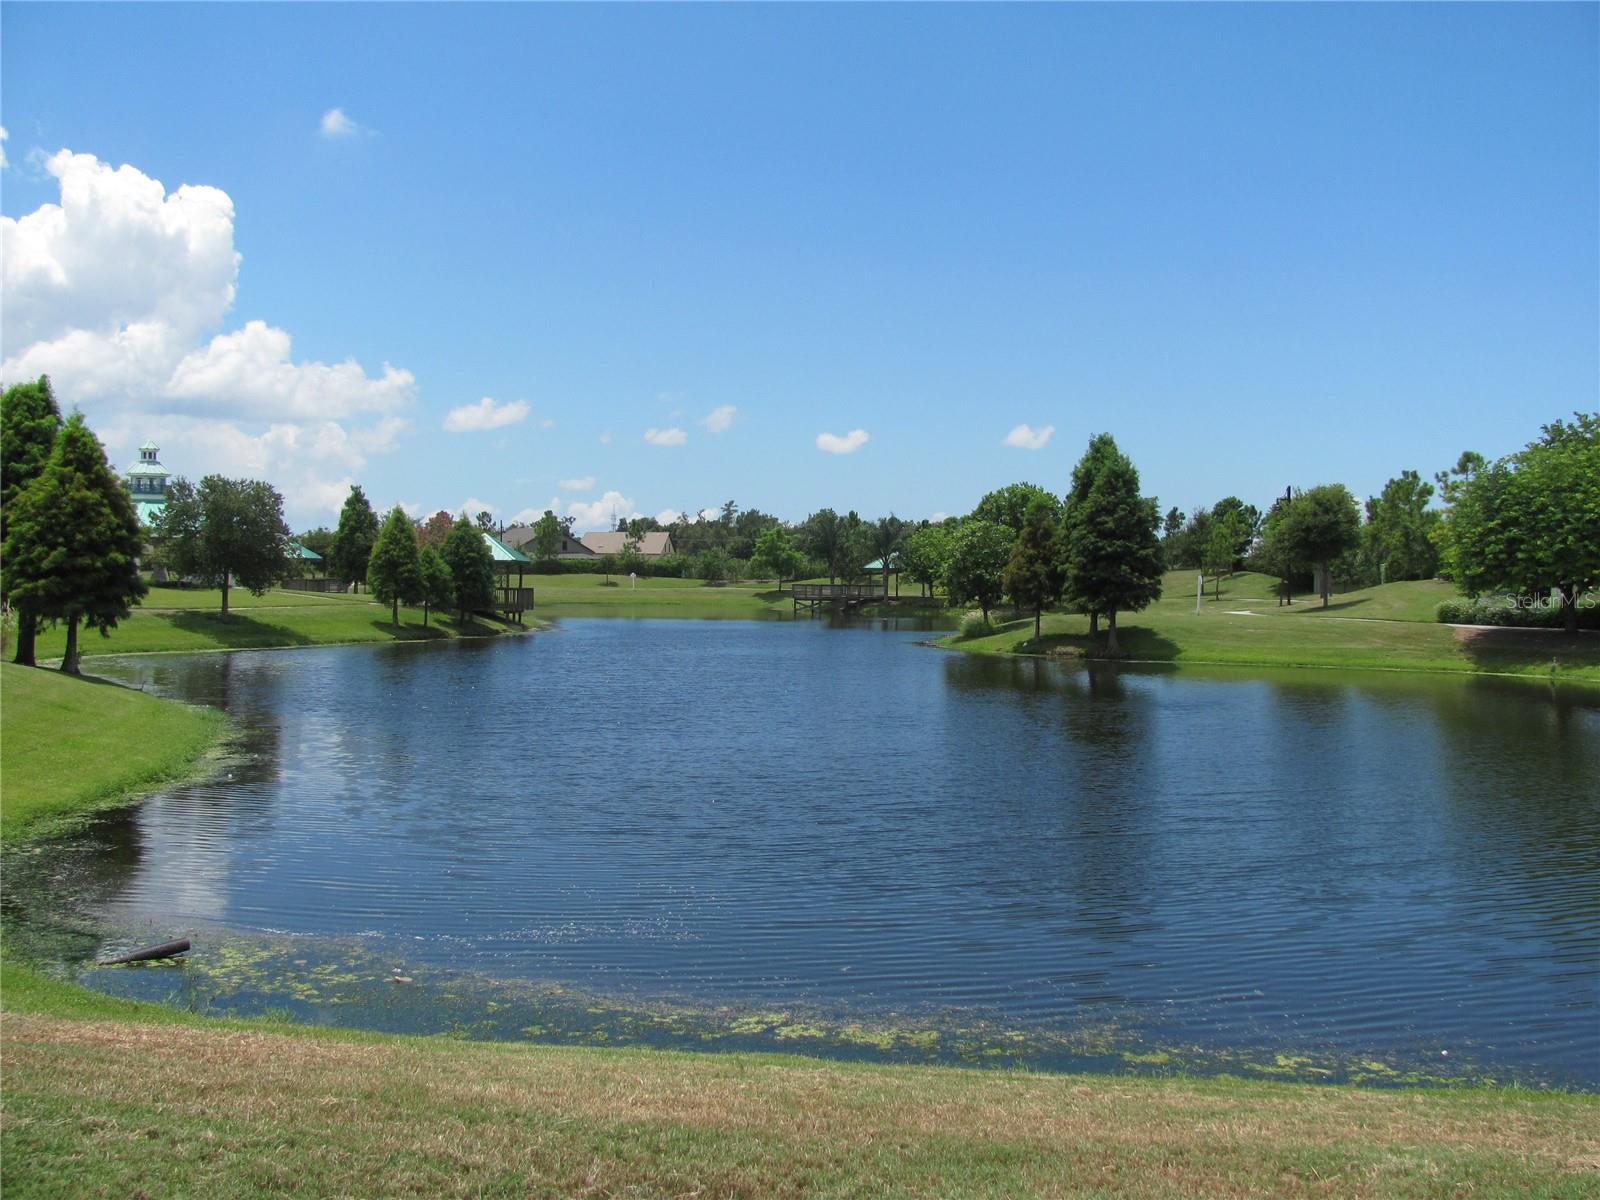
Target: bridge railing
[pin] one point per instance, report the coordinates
(837, 591)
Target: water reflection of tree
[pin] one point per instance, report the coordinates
(1071, 829)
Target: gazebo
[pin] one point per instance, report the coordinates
(876, 567)
(510, 601)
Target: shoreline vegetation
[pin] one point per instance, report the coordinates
(94, 1083)
(1390, 627)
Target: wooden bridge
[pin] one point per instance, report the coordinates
(841, 595)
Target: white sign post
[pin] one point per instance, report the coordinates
(633, 579)
(1199, 590)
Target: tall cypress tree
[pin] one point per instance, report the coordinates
(1033, 576)
(471, 566)
(72, 549)
(394, 572)
(29, 423)
(1101, 449)
(1113, 556)
(354, 539)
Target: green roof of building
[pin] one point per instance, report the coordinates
(299, 551)
(877, 564)
(147, 468)
(503, 552)
(147, 510)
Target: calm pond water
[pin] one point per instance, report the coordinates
(810, 836)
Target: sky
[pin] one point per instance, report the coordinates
(646, 259)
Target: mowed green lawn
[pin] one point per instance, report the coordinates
(190, 619)
(592, 595)
(71, 744)
(1384, 628)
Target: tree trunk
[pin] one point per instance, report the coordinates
(224, 595)
(27, 628)
(1326, 573)
(424, 616)
(1094, 623)
(1038, 623)
(1569, 608)
(69, 659)
(396, 611)
(1111, 633)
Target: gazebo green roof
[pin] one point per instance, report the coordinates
(503, 553)
(143, 467)
(299, 551)
(877, 564)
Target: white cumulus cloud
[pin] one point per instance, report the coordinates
(719, 419)
(487, 413)
(472, 506)
(1026, 437)
(336, 124)
(583, 484)
(668, 516)
(848, 444)
(4, 161)
(666, 437)
(118, 293)
(601, 514)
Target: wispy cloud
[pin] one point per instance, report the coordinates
(336, 124)
(486, 414)
(848, 444)
(605, 438)
(582, 484)
(4, 162)
(1025, 437)
(666, 437)
(720, 419)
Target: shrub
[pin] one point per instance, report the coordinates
(1485, 610)
(973, 625)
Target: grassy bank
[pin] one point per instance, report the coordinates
(106, 1097)
(592, 595)
(69, 745)
(190, 619)
(1382, 628)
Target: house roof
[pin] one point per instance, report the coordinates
(503, 553)
(296, 550)
(521, 537)
(651, 545)
(148, 510)
(148, 468)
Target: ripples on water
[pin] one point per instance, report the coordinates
(776, 813)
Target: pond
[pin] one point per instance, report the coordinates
(830, 838)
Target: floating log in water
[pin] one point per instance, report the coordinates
(165, 950)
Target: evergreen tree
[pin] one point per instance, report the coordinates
(471, 566)
(1033, 577)
(394, 571)
(226, 533)
(1113, 557)
(29, 422)
(438, 589)
(1101, 448)
(73, 542)
(353, 540)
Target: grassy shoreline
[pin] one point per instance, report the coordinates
(1389, 628)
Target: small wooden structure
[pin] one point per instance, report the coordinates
(510, 602)
(840, 595)
(307, 571)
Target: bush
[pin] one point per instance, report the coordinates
(973, 625)
(1486, 611)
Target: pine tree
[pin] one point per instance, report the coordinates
(353, 540)
(394, 571)
(1033, 576)
(29, 423)
(1113, 557)
(1101, 449)
(73, 543)
(438, 589)
(471, 567)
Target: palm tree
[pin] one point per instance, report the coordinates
(885, 538)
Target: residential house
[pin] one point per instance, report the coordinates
(567, 546)
(651, 545)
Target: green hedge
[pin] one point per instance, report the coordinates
(1485, 611)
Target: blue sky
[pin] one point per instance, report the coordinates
(1261, 245)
